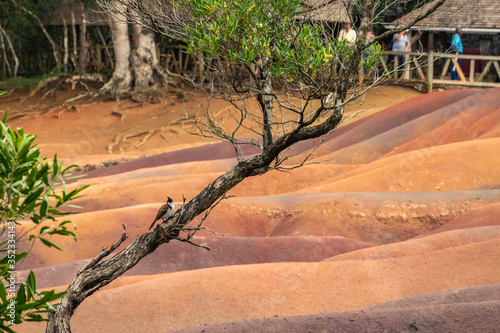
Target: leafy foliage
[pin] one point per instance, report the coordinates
(265, 33)
(275, 52)
(26, 35)
(32, 189)
(264, 40)
(27, 183)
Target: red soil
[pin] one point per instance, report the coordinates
(426, 167)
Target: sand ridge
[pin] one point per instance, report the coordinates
(403, 204)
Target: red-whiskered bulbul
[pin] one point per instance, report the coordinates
(166, 211)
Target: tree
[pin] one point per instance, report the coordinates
(29, 190)
(23, 26)
(19, 4)
(268, 51)
(15, 60)
(136, 69)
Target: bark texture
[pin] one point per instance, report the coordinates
(122, 76)
(137, 69)
(143, 58)
(65, 43)
(266, 102)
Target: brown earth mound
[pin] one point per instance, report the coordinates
(482, 216)
(396, 174)
(423, 244)
(377, 218)
(225, 294)
(422, 122)
(396, 131)
(439, 168)
(85, 132)
(473, 309)
(229, 251)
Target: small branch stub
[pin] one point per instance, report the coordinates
(104, 253)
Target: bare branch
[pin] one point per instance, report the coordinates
(420, 17)
(104, 253)
(186, 240)
(193, 229)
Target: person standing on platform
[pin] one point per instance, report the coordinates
(400, 43)
(347, 34)
(457, 48)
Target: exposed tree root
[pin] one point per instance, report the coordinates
(42, 84)
(64, 108)
(119, 114)
(123, 138)
(8, 92)
(114, 143)
(143, 141)
(88, 97)
(104, 164)
(177, 121)
(19, 115)
(89, 82)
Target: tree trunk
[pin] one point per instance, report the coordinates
(122, 77)
(75, 40)
(83, 46)
(42, 26)
(138, 70)
(143, 58)
(51, 41)
(14, 56)
(65, 42)
(266, 104)
(5, 63)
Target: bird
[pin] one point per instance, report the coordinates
(166, 211)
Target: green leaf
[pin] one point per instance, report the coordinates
(27, 306)
(6, 328)
(51, 295)
(32, 197)
(49, 243)
(24, 145)
(3, 293)
(35, 317)
(31, 285)
(44, 206)
(55, 167)
(21, 297)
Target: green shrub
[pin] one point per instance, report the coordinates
(32, 189)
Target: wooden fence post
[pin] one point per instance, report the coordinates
(472, 70)
(430, 71)
(98, 58)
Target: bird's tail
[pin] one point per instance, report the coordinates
(152, 224)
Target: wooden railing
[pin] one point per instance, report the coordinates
(428, 68)
(434, 68)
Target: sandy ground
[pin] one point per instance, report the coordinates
(402, 207)
(83, 133)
